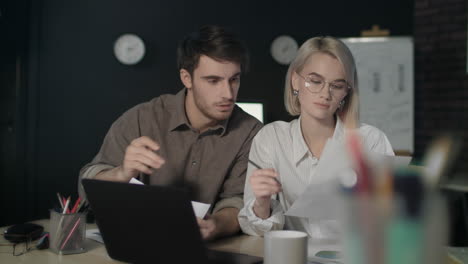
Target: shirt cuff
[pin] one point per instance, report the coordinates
(251, 224)
(231, 202)
(90, 173)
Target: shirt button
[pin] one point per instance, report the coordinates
(194, 163)
(313, 160)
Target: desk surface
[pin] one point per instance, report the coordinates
(96, 252)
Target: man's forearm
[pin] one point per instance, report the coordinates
(226, 221)
(114, 174)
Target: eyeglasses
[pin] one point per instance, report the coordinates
(22, 248)
(19, 248)
(315, 84)
(24, 243)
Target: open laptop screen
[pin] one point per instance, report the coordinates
(255, 109)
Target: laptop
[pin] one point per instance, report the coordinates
(144, 223)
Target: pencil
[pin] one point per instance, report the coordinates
(260, 168)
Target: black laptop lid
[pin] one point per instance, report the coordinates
(143, 223)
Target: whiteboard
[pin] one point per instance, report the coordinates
(385, 69)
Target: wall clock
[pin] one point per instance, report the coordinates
(284, 49)
(129, 49)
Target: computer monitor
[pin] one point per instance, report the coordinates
(253, 108)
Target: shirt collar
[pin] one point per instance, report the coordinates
(179, 117)
(300, 149)
(339, 132)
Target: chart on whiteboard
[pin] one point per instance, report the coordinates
(386, 86)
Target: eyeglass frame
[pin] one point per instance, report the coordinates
(25, 240)
(349, 87)
(27, 246)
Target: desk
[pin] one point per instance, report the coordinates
(96, 252)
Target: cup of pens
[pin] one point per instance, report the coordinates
(68, 228)
(403, 223)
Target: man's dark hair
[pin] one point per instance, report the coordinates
(214, 42)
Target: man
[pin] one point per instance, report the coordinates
(198, 136)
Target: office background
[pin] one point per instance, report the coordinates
(62, 87)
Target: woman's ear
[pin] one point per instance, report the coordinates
(186, 78)
(295, 81)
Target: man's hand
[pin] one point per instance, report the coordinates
(207, 228)
(139, 157)
(222, 223)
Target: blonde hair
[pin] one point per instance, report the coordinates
(334, 47)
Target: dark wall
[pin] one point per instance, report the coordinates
(76, 88)
(441, 83)
(16, 186)
(441, 89)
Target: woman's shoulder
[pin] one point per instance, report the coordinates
(278, 127)
(275, 130)
(375, 139)
(368, 130)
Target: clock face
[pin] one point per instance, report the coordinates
(129, 49)
(284, 49)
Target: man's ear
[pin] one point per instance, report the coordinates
(186, 78)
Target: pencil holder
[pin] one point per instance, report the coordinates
(396, 232)
(67, 232)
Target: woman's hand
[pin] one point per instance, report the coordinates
(264, 183)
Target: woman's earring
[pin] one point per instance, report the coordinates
(295, 92)
(342, 103)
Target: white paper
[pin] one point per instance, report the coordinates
(135, 181)
(393, 161)
(94, 234)
(322, 200)
(200, 209)
(401, 161)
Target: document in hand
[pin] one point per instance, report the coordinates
(200, 209)
(323, 200)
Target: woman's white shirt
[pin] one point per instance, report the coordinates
(280, 145)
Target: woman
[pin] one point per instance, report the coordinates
(321, 88)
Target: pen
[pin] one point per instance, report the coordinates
(59, 226)
(60, 200)
(70, 234)
(75, 207)
(366, 216)
(65, 207)
(260, 168)
(355, 149)
(84, 206)
(255, 165)
(82, 202)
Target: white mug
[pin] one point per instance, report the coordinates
(285, 246)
